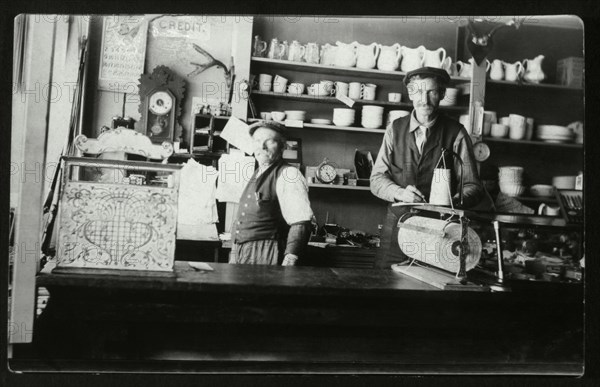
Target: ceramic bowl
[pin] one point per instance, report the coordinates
(295, 114)
(541, 190)
(511, 189)
(278, 116)
(342, 121)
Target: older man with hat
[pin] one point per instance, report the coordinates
(273, 219)
(410, 151)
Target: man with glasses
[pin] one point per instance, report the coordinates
(273, 219)
(410, 151)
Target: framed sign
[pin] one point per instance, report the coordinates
(123, 53)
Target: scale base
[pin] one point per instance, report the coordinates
(439, 279)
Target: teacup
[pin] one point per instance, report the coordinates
(296, 88)
(278, 116)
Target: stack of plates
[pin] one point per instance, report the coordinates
(343, 117)
(394, 115)
(554, 133)
(372, 116)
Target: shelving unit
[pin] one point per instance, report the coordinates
(333, 100)
(333, 127)
(532, 142)
(336, 70)
(546, 103)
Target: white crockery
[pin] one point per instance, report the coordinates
(541, 190)
(278, 116)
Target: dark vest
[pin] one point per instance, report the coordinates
(410, 168)
(259, 215)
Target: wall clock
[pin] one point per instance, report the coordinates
(161, 95)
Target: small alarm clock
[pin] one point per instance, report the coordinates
(326, 172)
(482, 151)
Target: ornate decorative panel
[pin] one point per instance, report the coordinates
(117, 226)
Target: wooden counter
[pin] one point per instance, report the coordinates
(295, 319)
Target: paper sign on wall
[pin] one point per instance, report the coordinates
(236, 133)
(122, 53)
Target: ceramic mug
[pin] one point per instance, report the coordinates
(341, 89)
(279, 84)
(265, 116)
(499, 130)
(505, 121)
(517, 125)
(368, 91)
(394, 97)
(264, 82)
(354, 90)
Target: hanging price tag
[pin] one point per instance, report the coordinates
(346, 100)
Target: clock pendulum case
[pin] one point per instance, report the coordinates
(161, 95)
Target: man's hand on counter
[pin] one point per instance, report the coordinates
(289, 260)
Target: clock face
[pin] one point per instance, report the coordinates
(326, 173)
(160, 103)
(482, 151)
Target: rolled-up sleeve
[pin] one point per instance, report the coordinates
(292, 192)
(473, 191)
(382, 184)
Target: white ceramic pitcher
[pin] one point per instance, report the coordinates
(533, 69)
(513, 71)
(367, 55)
(328, 54)
(346, 55)
(497, 70)
(412, 58)
(465, 70)
(434, 58)
(389, 57)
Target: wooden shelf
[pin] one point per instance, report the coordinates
(538, 199)
(541, 86)
(533, 142)
(337, 186)
(335, 70)
(333, 100)
(332, 127)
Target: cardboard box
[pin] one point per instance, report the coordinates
(569, 71)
